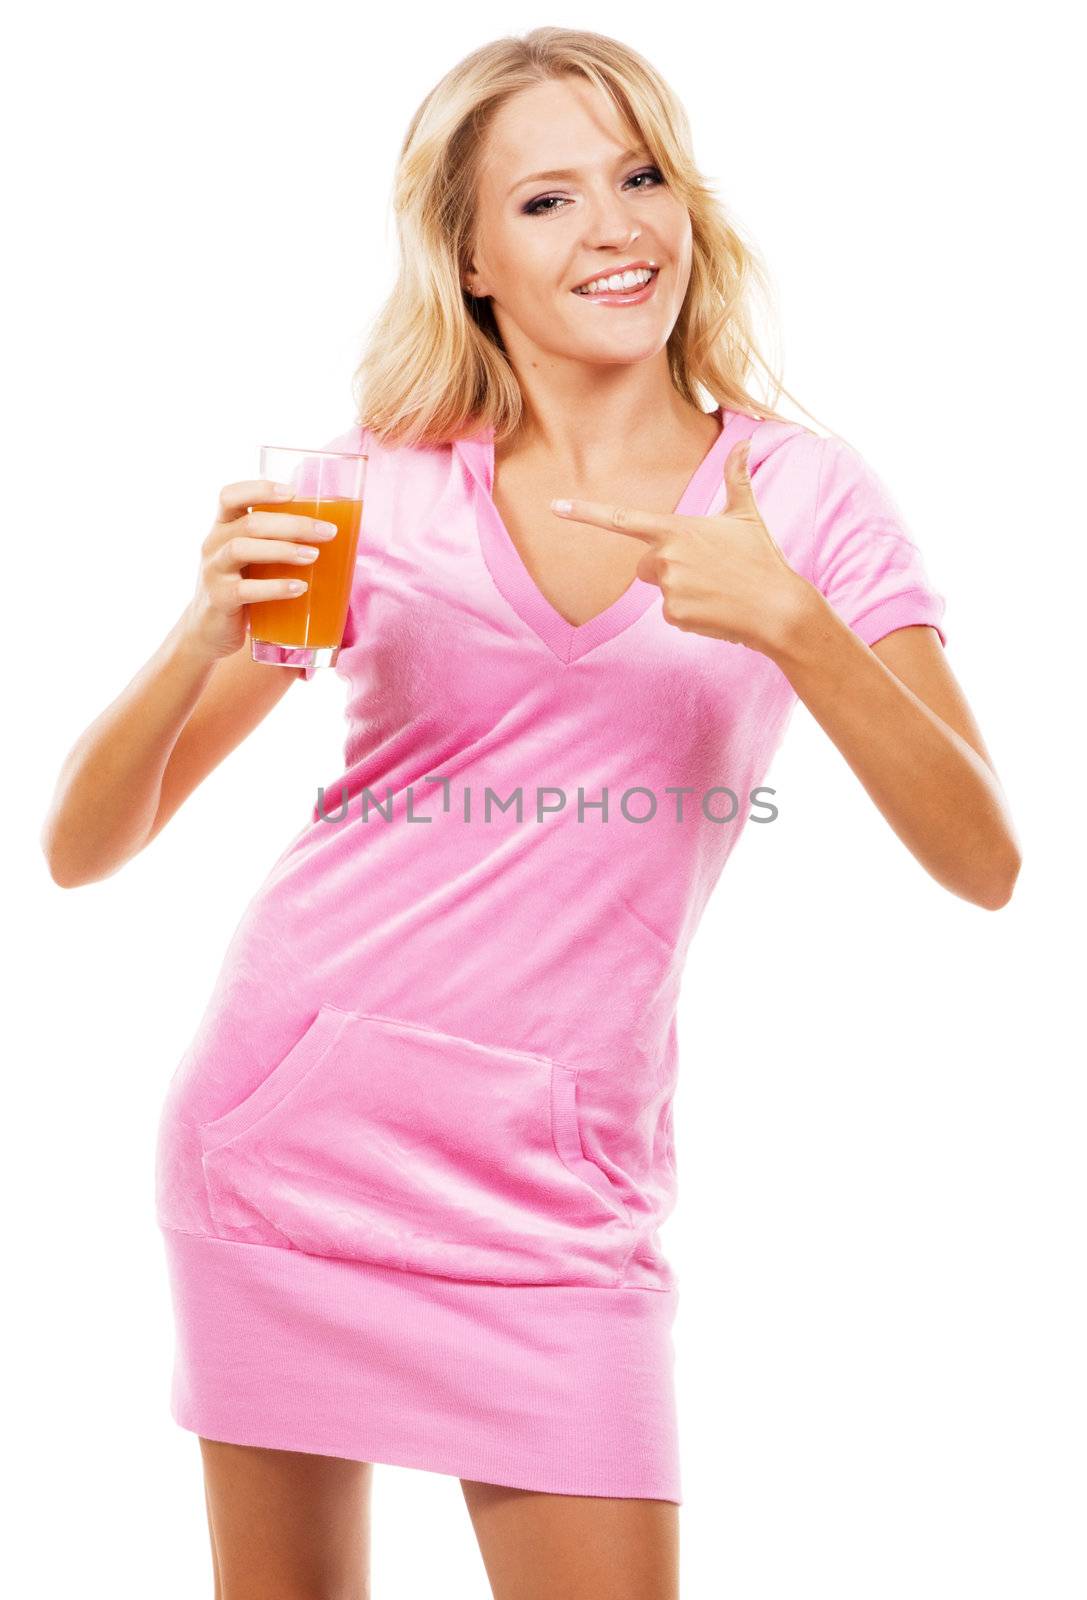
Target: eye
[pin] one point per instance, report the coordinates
(534, 207)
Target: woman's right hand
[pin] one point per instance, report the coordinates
(216, 618)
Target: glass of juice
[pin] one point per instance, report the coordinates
(306, 630)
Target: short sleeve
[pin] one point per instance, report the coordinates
(353, 442)
(864, 559)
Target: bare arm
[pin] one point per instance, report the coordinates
(900, 719)
(131, 769)
(239, 695)
(193, 702)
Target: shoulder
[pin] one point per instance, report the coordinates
(785, 464)
(354, 441)
(405, 483)
(362, 440)
(823, 467)
(783, 446)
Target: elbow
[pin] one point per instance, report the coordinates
(71, 866)
(62, 878)
(63, 881)
(67, 878)
(1002, 886)
(50, 840)
(52, 861)
(60, 871)
(72, 871)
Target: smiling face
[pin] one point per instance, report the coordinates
(537, 238)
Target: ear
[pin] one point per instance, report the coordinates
(470, 281)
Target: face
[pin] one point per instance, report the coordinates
(537, 238)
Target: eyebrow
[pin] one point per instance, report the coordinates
(572, 172)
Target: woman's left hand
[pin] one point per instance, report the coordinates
(724, 575)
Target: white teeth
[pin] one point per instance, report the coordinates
(618, 281)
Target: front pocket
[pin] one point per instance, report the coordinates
(381, 1140)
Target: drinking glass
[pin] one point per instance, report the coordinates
(306, 630)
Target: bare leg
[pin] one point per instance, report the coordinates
(287, 1525)
(214, 1552)
(574, 1547)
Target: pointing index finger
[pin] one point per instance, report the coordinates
(649, 526)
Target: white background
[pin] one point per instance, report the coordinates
(879, 1122)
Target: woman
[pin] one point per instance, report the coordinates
(412, 1168)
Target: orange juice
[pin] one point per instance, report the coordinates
(317, 616)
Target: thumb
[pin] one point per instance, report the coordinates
(738, 478)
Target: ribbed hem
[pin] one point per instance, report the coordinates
(915, 606)
(563, 1389)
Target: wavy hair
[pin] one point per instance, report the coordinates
(434, 368)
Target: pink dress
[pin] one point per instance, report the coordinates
(412, 1168)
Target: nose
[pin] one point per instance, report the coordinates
(610, 224)
(619, 238)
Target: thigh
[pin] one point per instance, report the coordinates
(287, 1525)
(574, 1547)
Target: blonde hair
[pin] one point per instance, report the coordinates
(435, 368)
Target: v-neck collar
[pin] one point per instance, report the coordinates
(567, 640)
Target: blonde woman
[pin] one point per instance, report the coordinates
(412, 1168)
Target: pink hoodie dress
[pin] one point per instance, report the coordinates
(412, 1168)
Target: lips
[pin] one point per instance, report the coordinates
(618, 298)
(612, 272)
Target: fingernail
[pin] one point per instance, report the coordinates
(561, 505)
